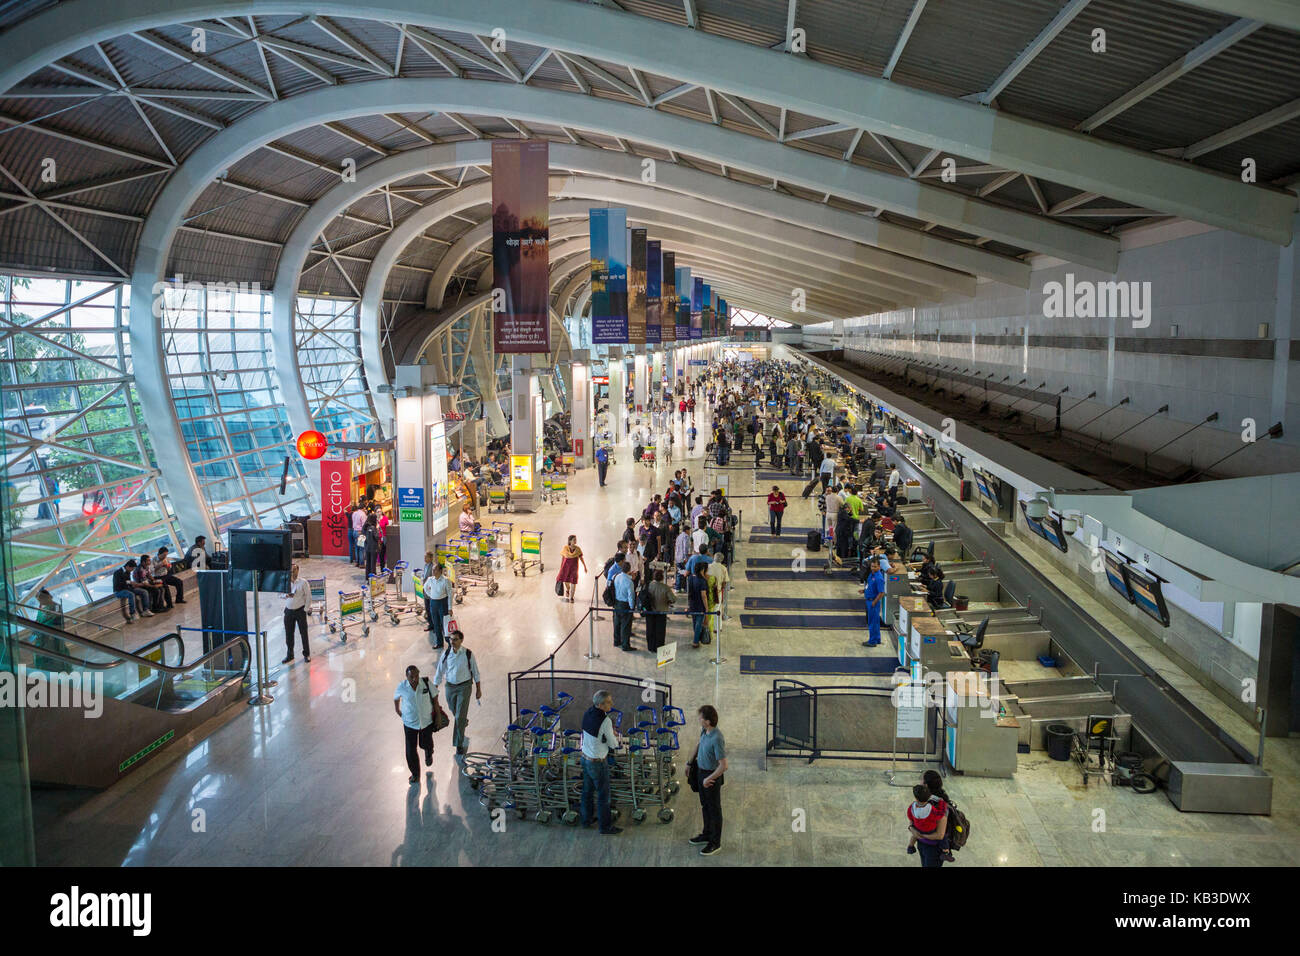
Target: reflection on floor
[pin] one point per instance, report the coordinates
(318, 777)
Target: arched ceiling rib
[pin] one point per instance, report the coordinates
(578, 34)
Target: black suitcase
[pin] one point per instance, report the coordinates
(814, 541)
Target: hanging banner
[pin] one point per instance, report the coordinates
(653, 292)
(683, 304)
(724, 317)
(668, 299)
(636, 287)
(335, 496)
(608, 231)
(706, 322)
(697, 307)
(521, 291)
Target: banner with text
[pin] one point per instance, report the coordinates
(636, 288)
(521, 292)
(335, 496)
(683, 304)
(697, 307)
(668, 299)
(653, 292)
(608, 230)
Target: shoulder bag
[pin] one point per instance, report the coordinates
(440, 717)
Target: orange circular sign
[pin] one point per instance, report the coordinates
(312, 445)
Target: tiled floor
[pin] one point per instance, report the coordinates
(318, 777)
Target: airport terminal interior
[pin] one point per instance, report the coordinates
(893, 461)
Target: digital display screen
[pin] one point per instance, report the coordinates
(521, 472)
(948, 462)
(981, 482)
(1117, 576)
(1147, 594)
(1049, 528)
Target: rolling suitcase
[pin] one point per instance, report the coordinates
(814, 541)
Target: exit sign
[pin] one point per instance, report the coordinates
(410, 514)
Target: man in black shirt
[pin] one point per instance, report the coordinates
(134, 600)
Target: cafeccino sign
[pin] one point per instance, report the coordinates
(335, 496)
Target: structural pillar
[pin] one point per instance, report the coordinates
(525, 432)
(580, 409)
(416, 408)
(640, 380)
(485, 377)
(617, 407)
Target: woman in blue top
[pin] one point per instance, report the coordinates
(875, 596)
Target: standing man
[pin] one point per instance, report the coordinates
(720, 579)
(602, 464)
(775, 509)
(458, 667)
(598, 739)
(711, 759)
(437, 597)
(295, 612)
(874, 595)
(894, 479)
(414, 704)
(624, 600)
(697, 600)
(659, 600)
(903, 538)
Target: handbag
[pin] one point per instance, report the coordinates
(559, 588)
(693, 775)
(440, 717)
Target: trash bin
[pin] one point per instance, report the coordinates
(1059, 739)
(961, 603)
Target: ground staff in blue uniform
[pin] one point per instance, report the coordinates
(875, 596)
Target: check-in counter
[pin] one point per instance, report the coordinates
(908, 609)
(935, 647)
(1061, 700)
(982, 737)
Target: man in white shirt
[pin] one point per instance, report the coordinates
(295, 612)
(437, 594)
(413, 701)
(894, 478)
(598, 739)
(458, 667)
(699, 537)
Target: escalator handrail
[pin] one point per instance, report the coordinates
(174, 635)
(123, 656)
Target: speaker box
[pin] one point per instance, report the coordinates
(267, 552)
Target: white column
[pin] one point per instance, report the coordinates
(640, 380)
(525, 409)
(580, 408)
(485, 376)
(415, 410)
(617, 409)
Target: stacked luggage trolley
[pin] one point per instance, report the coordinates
(539, 774)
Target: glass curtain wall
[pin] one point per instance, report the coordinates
(329, 359)
(81, 489)
(236, 431)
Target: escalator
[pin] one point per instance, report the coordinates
(94, 713)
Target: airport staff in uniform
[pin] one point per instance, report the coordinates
(598, 739)
(295, 612)
(458, 667)
(602, 464)
(875, 596)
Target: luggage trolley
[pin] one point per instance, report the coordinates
(352, 604)
(446, 556)
(472, 564)
(505, 535)
(530, 552)
(499, 499)
(318, 599)
(556, 486)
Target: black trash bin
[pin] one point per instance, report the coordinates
(1059, 739)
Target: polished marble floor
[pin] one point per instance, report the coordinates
(318, 777)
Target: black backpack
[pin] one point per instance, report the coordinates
(608, 595)
(958, 827)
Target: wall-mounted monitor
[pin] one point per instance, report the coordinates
(960, 465)
(1117, 576)
(1049, 528)
(982, 485)
(947, 461)
(1147, 594)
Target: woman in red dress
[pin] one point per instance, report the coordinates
(570, 558)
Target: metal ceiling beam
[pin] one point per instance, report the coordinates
(1036, 46)
(1184, 64)
(767, 76)
(1279, 13)
(901, 44)
(1274, 117)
